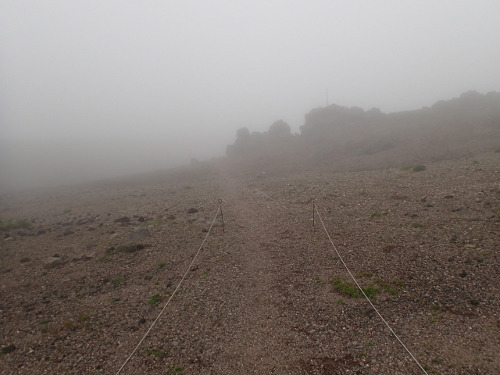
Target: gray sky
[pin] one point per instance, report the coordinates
(187, 74)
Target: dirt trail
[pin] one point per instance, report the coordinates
(270, 318)
(268, 295)
(256, 342)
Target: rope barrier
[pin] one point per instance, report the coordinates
(270, 198)
(315, 209)
(368, 299)
(175, 291)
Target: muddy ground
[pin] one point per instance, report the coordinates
(85, 270)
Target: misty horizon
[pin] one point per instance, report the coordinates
(93, 90)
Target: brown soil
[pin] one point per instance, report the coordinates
(259, 299)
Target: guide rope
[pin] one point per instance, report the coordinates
(270, 198)
(173, 294)
(368, 299)
(315, 209)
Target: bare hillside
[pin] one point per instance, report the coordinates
(84, 271)
(337, 138)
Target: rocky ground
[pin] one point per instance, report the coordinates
(84, 271)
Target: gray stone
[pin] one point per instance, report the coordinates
(53, 262)
(79, 257)
(139, 234)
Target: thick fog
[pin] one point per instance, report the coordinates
(92, 89)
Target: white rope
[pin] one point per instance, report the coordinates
(370, 302)
(273, 200)
(355, 281)
(166, 304)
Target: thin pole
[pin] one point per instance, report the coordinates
(314, 209)
(221, 215)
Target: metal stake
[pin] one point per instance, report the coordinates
(314, 207)
(221, 215)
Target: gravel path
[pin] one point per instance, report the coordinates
(268, 294)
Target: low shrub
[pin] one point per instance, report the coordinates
(414, 168)
(13, 224)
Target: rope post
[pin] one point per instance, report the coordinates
(314, 209)
(221, 215)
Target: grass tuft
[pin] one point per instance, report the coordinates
(352, 290)
(13, 224)
(414, 168)
(153, 300)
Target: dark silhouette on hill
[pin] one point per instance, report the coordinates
(341, 138)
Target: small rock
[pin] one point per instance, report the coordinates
(53, 262)
(124, 219)
(139, 234)
(132, 248)
(8, 349)
(82, 221)
(79, 257)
